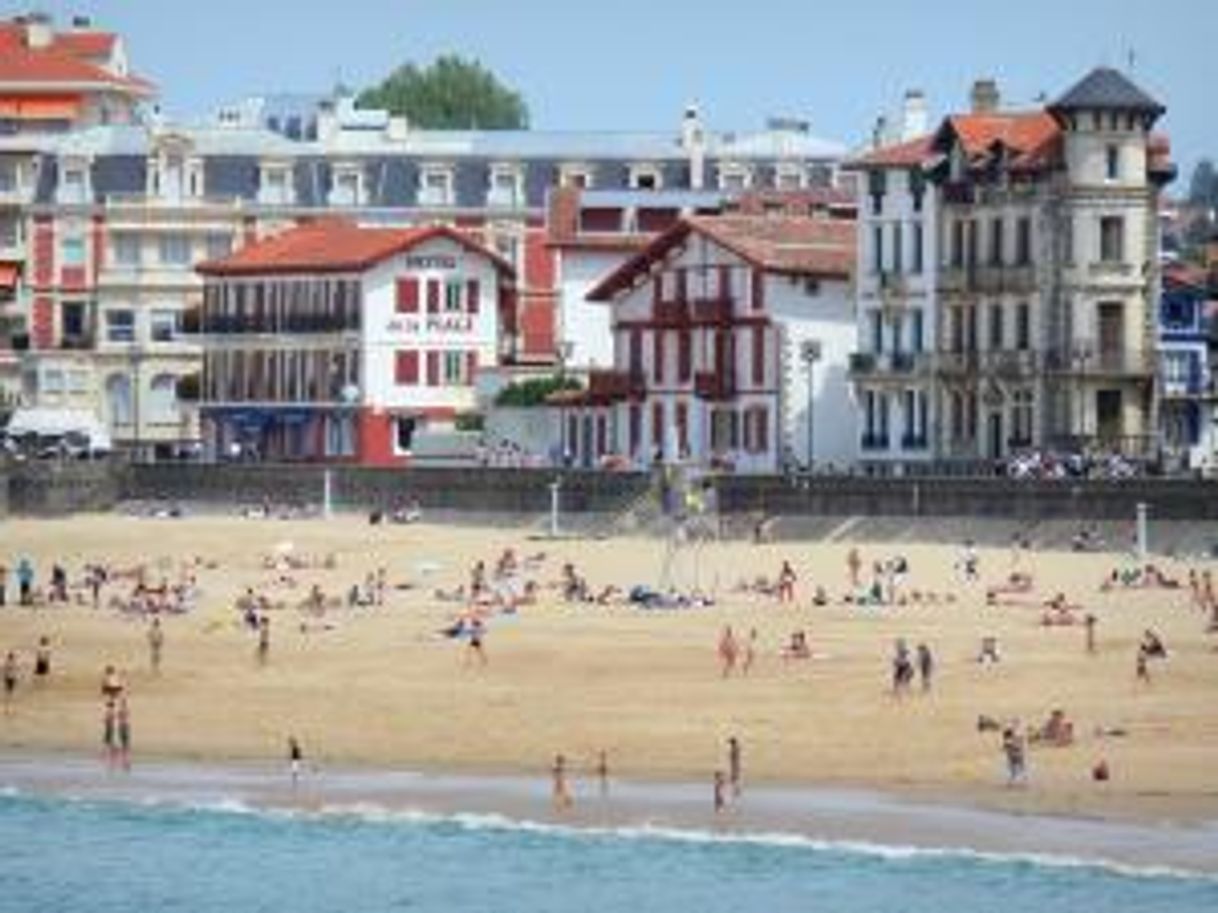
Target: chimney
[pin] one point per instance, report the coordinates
(327, 121)
(985, 98)
(915, 119)
(38, 31)
(879, 133)
(397, 129)
(81, 23)
(693, 141)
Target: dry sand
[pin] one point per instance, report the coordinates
(383, 689)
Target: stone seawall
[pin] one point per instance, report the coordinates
(48, 488)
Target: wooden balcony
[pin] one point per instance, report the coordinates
(609, 386)
(712, 310)
(713, 385)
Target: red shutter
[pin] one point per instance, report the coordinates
(433, 369)
(762, 429)
(471, 367)
(602, 435)
(681, 285)
(433, 296)
(683, 427)
(725, 281)
(657, 289)
(408, 295)
(684, 356)
(407, 367)
(758, 289)
(636, 427)
(472, 295)
(657, 427)
(657, 355)
(758, 356)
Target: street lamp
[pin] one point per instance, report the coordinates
(810, 354)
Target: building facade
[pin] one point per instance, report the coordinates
(731, 337)
(336, 342)
(1185, 373)
(1021, 249)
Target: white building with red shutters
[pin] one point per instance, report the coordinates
(731, 340)
(333, 341)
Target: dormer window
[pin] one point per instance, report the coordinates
(575, 176)
(436, 186)
(646, 177)
(348, 186)
(74, 185)
(789, 177)
(505, 186)
(735, 178)
(275, 185)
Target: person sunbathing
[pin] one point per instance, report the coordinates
(1057, 731)
(1152, 645)
(797, 648)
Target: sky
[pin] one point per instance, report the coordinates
(635, 64)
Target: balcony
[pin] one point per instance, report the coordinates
(712, 310)
(1085, 361)
(863, 363)
(874, 441)
(183, 201)
(995, 280)
(956, 279)
(1112, 269)
(1011, 364)
(913, 442)
(714, 385)
(671, 313)
(959, 193)
(216, 324)
(616, 385)
(958, 363)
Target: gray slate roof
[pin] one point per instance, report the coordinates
(1107, 89)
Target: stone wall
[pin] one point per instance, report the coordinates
(49, 488)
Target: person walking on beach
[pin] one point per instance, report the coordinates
(264, 639)
(750, 652)
(123, 727)
(926, 665)
(1089, 622)
(720, 792)
(1013, 750)
(902, 668)
(734, 765)
(156, 642)
(602, 772)
(561, 792)
(110, 733)
(854, 564)
(786, 582)
(1142, 667)
(25, 582)
(728, 651)
(10, 680)
(42, 660)
(477, 632)
(295, 759)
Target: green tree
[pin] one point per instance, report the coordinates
(452, 93)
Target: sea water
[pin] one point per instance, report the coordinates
(96, 856)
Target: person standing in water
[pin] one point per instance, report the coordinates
(295, 759)
(561, 792)
(602, 772)
(123, 719)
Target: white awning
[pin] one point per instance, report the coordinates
(59, 422)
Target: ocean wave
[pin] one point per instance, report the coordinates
(375, 814)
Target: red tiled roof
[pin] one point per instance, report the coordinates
(793, 245)
(1031, 139)
(901, 155)
(334, 245)
(67, 59)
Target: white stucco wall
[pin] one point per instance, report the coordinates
(584, 324)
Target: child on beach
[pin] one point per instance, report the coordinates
(1014, 752)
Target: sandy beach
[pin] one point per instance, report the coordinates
(380, 687)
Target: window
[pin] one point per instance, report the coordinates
(407, 295)
(346, 188)
(163, 399)
(454, 368)
(1113, 163)
(996, 327)
(1068, 239)
(645, 177)
(917, 331)
(684, 356)
(52, 381)
(877, 249)
(73, 320)
(1023, 326)
(163, 324)
(126, 250)
(1023, 241)
(877, 331)
(958, 243)
(575, 176)
(403, 434)
(175, 249)
(219, 246)
(1112, 239)
(73, 188)
(406, 368)
(120, 325)
(452, 296)
(72, 251)
(78, 381)
(473, 295)
(437, 187)
(118, 399)
(733, 179)
(788, 178)
(1021, 418)
(996, 239)
(758, 356)
(897, 245)
(275, 187)
(505, 187)
(916, 266)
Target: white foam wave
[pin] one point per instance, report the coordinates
(372, 813)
